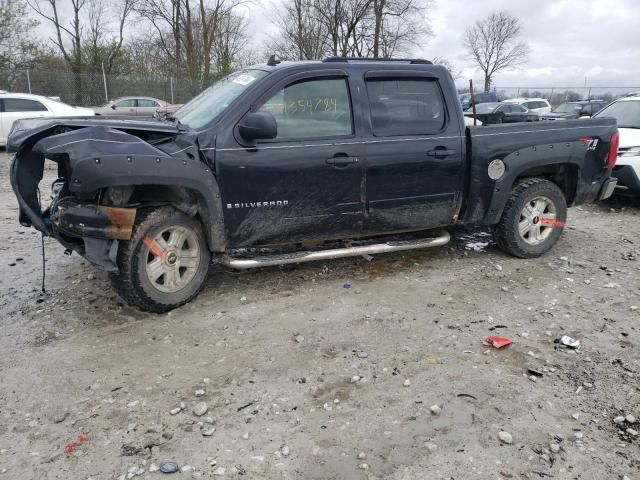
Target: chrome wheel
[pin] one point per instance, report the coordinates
(173, 258)
(537, 220)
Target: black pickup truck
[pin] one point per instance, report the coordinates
(291, 159)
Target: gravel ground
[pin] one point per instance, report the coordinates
(284, 373)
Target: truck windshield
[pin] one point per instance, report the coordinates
(567, 107)
(206, 106)
(626, 113)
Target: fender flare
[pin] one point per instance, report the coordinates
(515, 167)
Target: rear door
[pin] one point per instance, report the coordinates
(414, 162)
(512, 112)
(305, 184)
(146, 107)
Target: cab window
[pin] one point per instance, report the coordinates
(411, 106)
(312, 109)
(23, 105)
(127, 103)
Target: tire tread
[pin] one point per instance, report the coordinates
(505, 233)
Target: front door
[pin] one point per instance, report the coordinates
(414, 159)
(304, 185)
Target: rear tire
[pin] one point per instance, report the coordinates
(165, 264)
(533, 218)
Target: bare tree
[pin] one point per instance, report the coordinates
(454, 71)
(380, 28)
(299, 33)
(493, 43)
(398, 25)
(16, 47)
(342, 19)
(190, 30)
(87, 27)
(229, 42)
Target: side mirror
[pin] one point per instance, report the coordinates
(112, 105)
(258, 125)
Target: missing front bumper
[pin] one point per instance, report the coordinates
(96, 221)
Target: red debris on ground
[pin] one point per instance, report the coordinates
(497, 342)
(70, 447)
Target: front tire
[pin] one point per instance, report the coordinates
(533, 218)
(165, 264)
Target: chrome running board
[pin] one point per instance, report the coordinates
(301, 257)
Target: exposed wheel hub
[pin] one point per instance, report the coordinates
(171, 258)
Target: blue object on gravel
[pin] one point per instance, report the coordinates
(346, 285)
(169, 467)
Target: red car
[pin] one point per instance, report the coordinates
(167, 110)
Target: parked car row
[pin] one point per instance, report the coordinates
(564, 111)
(15, 106)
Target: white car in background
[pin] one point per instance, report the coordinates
(539, 105)
(16, 106)
(626, 111)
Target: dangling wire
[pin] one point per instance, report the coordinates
(44, 262)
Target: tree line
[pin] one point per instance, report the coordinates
(202, 40)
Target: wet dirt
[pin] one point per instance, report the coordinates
(289, 357)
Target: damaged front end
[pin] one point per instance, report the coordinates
(91, 205)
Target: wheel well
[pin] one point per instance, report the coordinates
(564, 175)
(187, 200)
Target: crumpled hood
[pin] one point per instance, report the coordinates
(24, 130)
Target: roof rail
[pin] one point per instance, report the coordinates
(412, 61)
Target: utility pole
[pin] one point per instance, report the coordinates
(104, 79)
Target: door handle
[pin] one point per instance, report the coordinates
(342, 160)
(441, 152)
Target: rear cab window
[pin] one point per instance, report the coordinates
(405, 106)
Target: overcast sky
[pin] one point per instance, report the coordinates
(570, 40)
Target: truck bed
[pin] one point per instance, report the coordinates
(577, 148)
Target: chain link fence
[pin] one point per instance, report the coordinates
(94, 88)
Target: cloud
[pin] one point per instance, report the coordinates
(571, 40)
